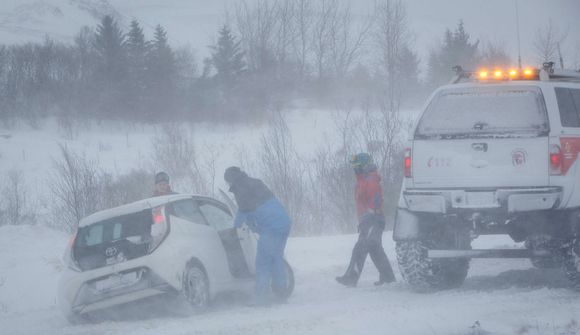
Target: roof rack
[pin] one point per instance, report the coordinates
(546, 73)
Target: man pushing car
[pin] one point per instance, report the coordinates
(265, 215)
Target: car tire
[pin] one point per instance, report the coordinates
(77, 319)
(196, 288)
(426, 274)
(571, 264)
(287, 291)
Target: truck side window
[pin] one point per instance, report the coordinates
(569, 105)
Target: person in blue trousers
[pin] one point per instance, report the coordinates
(265, 215)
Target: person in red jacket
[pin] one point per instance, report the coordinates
(369, 207)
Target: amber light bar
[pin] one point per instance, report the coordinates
(511, 74)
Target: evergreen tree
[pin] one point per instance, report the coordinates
(408, 73)
(137, 48)
(109, 41)
(457, 49)
(227, 57)
(161, 74)
(111, 67)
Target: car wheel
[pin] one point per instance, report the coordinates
(196, 288)
(286, 291)
(77, 319)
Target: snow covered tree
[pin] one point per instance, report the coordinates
(456, 49)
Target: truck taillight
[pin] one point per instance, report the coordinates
(159, 228)
(407, 163)
(555, 160)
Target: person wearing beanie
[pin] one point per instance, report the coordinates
(369, 207)
(265, 215)
(162, 186)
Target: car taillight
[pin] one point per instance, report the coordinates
(407, 163)
(68, 258)
(159, 228)
(555, 160)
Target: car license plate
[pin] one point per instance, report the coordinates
(483, 199)
(117, 281)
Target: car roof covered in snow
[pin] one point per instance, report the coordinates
(135, 207)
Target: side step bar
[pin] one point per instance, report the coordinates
(488, 253)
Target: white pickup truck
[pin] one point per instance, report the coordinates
(495, 152)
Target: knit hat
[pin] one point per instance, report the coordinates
(161, 176)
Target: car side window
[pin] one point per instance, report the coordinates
(569, 105)
(187, 209)
(217, 217)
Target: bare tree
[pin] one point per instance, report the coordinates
(210, 167)
(16, 206)
(302, 43)
(125, 188)
(494, 54)
(321, 32)
(347, 38)
(76, 187)
(257, 26)
(547, 42)
(392, 39)
(282, 170)
(174, 152)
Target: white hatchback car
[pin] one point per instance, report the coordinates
(174, 243)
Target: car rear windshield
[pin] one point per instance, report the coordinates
(485, 112)
(135, 227)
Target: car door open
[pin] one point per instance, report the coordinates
(239, 244)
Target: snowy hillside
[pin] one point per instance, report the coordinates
(504, 296)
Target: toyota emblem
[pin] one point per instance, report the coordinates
(111, 251)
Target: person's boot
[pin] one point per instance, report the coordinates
(347, 281)
(385, 280)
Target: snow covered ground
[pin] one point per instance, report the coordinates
(504, 296)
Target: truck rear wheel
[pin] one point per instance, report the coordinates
(571, 264)
(423, 273)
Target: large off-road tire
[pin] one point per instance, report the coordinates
(287, 291)
(571, 263)
(425, 274)
(196, 288)
(544, 242)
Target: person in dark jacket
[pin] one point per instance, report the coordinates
(162, 186)
(264, 214)
(369, 207)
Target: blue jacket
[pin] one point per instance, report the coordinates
(258, 206)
